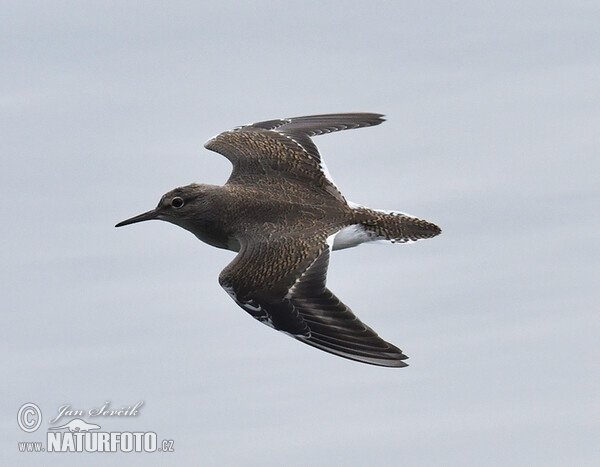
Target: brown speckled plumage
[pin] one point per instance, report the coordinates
(283, 215)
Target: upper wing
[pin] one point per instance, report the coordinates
(301, 129)
(289, 294)
(283, 148)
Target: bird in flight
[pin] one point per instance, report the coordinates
(283, 215)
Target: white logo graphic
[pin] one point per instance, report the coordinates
(29, 417)
(77, 425)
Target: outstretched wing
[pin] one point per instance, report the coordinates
(282, 284)
(283, 148)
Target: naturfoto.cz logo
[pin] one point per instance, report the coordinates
(78, 435)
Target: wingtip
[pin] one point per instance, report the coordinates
(392, 363)
(375, 118)
(396, 363)
(391, 358)
(378, 118)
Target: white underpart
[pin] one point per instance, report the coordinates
(352, 236)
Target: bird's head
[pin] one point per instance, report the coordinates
(184, 206)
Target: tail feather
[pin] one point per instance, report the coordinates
(397, 227)
(372, 225)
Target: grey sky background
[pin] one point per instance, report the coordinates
(493, 114)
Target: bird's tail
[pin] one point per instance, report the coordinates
(395, 227)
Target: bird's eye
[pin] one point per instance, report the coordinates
(177, 202)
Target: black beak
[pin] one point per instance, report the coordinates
(140, 218)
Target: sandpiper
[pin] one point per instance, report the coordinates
(283, 215)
